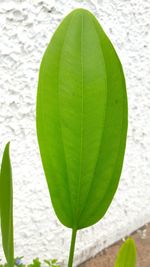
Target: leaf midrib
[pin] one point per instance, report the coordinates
(82, 112)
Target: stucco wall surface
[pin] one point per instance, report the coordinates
(25, 30)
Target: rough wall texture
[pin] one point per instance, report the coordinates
(25, 30)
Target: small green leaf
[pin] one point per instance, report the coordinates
(127, 254)
(6, 207)
(54, 261)
(36, 263)
(48, 262)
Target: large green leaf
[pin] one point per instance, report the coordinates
(6, 207)
(127, 254)
(81, 120)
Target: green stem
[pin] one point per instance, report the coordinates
(72, 247)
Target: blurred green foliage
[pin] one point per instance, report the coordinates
(35, 263)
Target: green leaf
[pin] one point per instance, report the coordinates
(36, 263)
(81, 120)
(6, 207)
(52, 263)
(48, 262)
(127, 254)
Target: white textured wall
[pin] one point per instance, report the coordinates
(25, 30)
